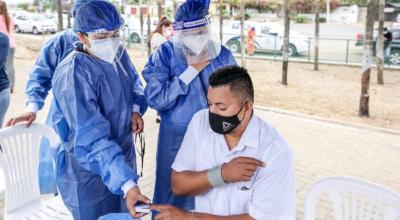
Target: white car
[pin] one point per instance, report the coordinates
(132, 30)
(268, 38)
(54, 18)
(34, 23)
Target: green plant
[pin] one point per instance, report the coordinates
(300, 19)
(23, 6)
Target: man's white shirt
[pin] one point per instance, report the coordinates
(270, 194)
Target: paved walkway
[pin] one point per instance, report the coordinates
(321, 149)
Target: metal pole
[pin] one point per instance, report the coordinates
(347, 52)
(242, 40)
(275, 47)
(309, 49)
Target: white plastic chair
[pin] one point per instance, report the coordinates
(19, 157)
(353, 198)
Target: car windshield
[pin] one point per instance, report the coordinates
(37, 18)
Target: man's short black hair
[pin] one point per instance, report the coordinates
(236, 77)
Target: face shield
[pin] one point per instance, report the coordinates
(105, 45)
(196, 41)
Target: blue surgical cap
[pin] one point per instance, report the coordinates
(97, 15)
(77, 4)
(192, 10)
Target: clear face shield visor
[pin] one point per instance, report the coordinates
(196, 41)
(106, 45)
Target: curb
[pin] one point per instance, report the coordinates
(325, 120)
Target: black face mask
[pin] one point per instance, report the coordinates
(222, 124)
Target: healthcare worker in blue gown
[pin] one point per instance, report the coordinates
(38, 86)
(93, 90)
(177, 81)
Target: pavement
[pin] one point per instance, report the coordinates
(322, 148)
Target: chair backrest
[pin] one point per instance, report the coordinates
(19, 157)
(353, 198)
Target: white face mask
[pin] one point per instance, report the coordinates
(105, 49)
(167, 33)
(196, 43)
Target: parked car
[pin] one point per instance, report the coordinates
(34, 23)
(54, 18)
(394, 57)
(132, 30)
(15, 12)
(268, 38)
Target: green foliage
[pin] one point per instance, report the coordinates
(301, 19)
(24, 6)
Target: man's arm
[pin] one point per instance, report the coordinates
(195, 183)
(190, 183)
(168, 212)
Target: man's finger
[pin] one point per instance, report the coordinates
(144, 199)
(248, 173)
(139, 215)
(159, 208)
(250, 167)
(141, 125)
(162, 215)
(131, 210)
(30, 121)
(9, 122)
(249, 160)
(13, 122)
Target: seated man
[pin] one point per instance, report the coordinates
(224, 155)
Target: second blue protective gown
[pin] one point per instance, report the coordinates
(176, 102)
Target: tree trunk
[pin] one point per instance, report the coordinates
(328, 11)
(141, 19)
(159, 9)
(367, 60)
(242, 39)
(379, 46)
(149, 27)
(59, 12)
(221, 19)
(285, 49)
(69, 14)
(175, 6)
(316, 54)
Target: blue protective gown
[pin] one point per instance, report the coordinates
(176, 102)
(94, 102)
(39, 84)
(37, 88)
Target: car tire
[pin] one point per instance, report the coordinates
(134, 38)
(292, 50)
(394, 57)
(234, 46)
(35, 31)
(17, 29)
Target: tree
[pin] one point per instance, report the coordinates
(221, 19)
(159, 8)
(379, 46)
(367, 60)
(285, 49)
(149, 27)
(316, 55)
(60, 19)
